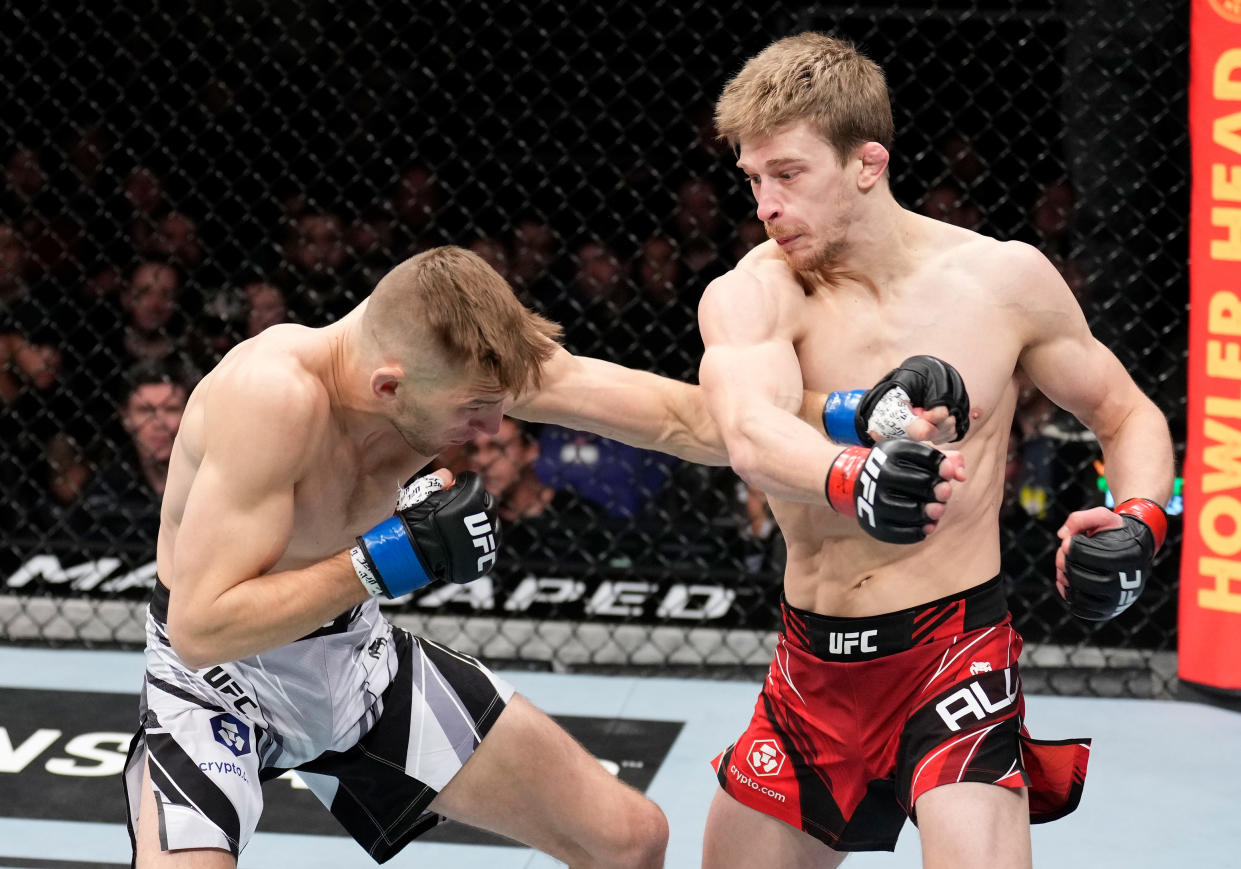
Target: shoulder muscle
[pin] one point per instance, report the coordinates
(750, 305)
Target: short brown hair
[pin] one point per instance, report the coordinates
(454, 297)
(808, 77)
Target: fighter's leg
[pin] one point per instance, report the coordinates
(972, 825)
(739, 837)
(531, 781)
(149, 852)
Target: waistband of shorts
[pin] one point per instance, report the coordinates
(159, 602)
(342, 623)
(834, 638)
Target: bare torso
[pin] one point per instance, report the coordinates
(956, 304)
(345, 487)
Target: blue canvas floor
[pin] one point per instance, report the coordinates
(1164, 786)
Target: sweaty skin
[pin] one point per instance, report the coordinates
(994, 310)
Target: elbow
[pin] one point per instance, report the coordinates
(192, 645)
(744, 456)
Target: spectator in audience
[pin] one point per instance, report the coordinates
(104, 284)
(494, 252)
(661, 327)
(1036, 450)
(505, 461)
(25, 181)
(89, 151)
(265, 305)
(67, 469)
(961, 160)
(698, 222)
(657, 269)
(371, 246)
(760, 544)
(34, 409)
(1052, 215)
(25, 367)
(370, 235)
(417, 201)
(946, 202)
(316, 261)
(12, 269)
(540, 521)
(121, 502)
(535, 254)
(708, 148)
(152, 326)
(315, 243)
(216, 330)
(144, 194)
(175, 239)
(1051, 219)
(590, 306)
(51, 234)
(600, 277)
(747, 235)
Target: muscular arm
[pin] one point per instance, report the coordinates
(635, 407)
(238, 521)
(1069, 365)
(753, 385)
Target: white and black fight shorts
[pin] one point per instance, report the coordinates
(375, 720)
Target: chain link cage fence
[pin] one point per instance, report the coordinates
(180, 176)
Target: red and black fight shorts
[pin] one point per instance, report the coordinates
(861, 716)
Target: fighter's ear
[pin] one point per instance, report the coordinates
(874, 159)
(385, 381)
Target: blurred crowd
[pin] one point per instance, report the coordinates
(117, 295)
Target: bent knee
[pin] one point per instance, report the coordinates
(637, 839)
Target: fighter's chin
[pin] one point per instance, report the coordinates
(809, 262)
(421, 445)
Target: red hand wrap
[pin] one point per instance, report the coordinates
(841, 478)
(1150, 513)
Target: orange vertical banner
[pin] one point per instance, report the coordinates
(1210, 590)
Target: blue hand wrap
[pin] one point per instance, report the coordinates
(838, 415)
(392, 553)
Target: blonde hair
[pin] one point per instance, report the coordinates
(809, 77)
(453, 297)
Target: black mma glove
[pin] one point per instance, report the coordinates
(448, 534)
(886, 487)
(1107, 571)
(920, 381)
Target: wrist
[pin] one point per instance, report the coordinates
(366, 574)
(1149, 514)
(385, 560)
(840, 415)
(842, 479)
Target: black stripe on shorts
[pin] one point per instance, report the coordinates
(182, 783)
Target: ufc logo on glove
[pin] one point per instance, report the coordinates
(480, 531)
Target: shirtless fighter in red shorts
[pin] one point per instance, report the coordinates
(895, 689)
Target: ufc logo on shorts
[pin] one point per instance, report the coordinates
(484, 538)
(219, 679)
(844, 643)
(870, 473)
(972, 700)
